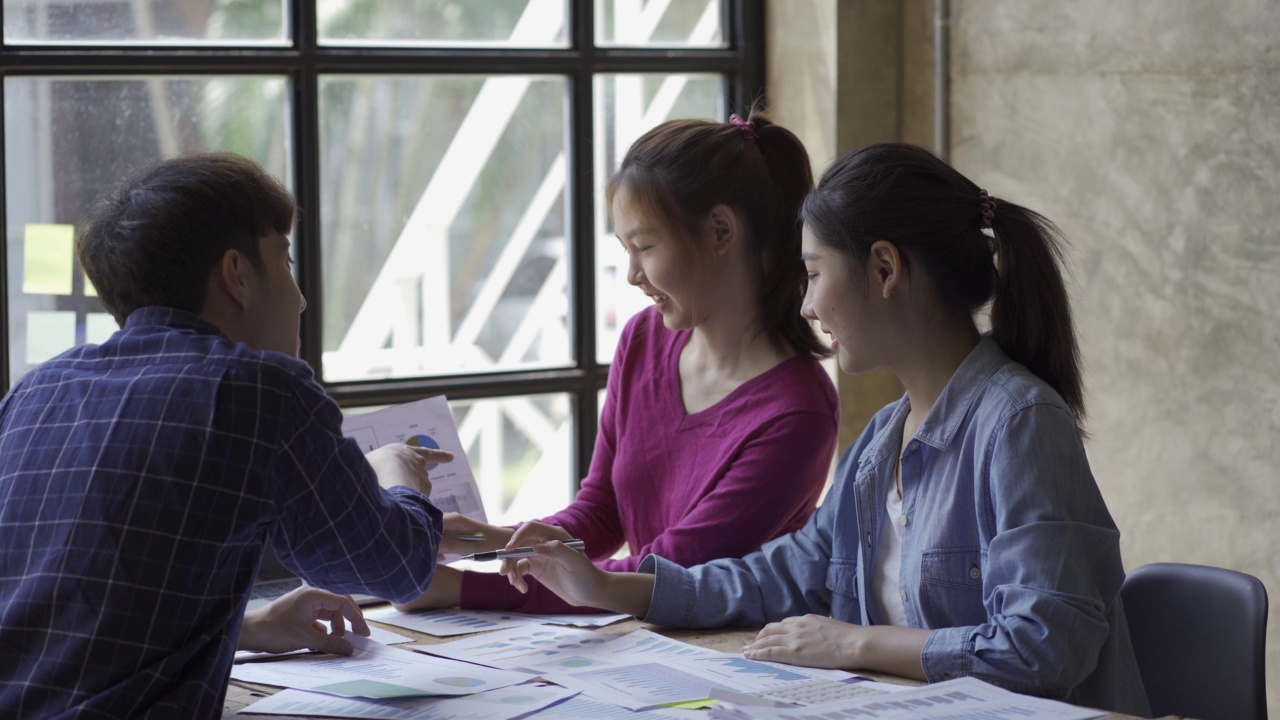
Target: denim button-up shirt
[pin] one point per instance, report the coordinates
(1008, 552)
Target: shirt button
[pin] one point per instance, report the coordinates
(904, 521)
(904, 594)
(974, 572)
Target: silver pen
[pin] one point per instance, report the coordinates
(521, 552)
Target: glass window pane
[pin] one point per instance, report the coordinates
(444, 217)
(659, 23)
(520, 450)
(443, 23)
(627, 106)
(69, 139)
(145, 22)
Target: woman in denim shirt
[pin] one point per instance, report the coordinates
(965, 534)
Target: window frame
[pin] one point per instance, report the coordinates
(741, 62)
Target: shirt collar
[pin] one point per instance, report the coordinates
(170, 318)
(964, 387)
(951, 407)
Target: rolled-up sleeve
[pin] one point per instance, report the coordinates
(785, 577)
(1053, 568)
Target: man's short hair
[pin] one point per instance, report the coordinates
(156, 237)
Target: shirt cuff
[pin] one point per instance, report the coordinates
(674, 595)
(947, 654)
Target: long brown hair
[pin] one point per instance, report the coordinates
(936, 216)
(681, 169)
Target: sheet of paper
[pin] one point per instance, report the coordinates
(379, 672)
(638, 686)
(425, 423)
(447, 623)
(47, 259)
(580, 706)
(500, 704)
(644, 669)
(521, 648)
(733, 670)
(377, 634)
(960, 699)
(585, 621)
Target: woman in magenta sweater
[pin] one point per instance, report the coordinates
(719, 424)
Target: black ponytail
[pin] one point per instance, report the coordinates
(939, 219)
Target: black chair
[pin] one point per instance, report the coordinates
(1199, 633)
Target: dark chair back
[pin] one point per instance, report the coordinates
(1199, 633)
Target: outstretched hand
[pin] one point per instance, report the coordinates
(401, 464)
(292, 622)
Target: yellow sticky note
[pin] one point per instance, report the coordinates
(49, 333)
(47, 259)
(692, 704)
(98, 327)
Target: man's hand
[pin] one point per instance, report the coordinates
(495, 537)
(292, 622)
(400, 464)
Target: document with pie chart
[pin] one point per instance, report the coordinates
(424, 423)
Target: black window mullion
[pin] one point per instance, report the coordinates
(582, 197)
(305, 112)
(4, 243)
(744, 21)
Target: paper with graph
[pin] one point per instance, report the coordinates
(501, 704)
(424, 423)
(377, 671)
(960, 699)
(643, 670)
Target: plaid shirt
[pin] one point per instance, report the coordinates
(139, 480)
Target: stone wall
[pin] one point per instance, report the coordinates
(1150, 132)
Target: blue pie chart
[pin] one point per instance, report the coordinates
(425, 441)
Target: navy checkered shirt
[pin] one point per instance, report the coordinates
(139, 481)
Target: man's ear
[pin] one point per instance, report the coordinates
(886, 268)
(725, 228)
(234, 274)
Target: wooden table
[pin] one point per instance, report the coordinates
(242, 694)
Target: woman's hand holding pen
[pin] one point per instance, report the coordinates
(566, 571)
(571, 574)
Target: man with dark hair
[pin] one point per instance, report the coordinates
(141, 478)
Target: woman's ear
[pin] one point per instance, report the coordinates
(885, 268)
(724, 227)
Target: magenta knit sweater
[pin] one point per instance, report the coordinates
(688, 487)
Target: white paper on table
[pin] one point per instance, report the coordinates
(446, 623)
(580, 706)
(963, 698)
(746, 675)
(500, 704)
(425, 423)
(575, 620)
(638, 686)
(377, 671)
(386, 637)
(519, 648)
(644, 669)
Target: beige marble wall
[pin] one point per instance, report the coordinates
(1150, 132)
